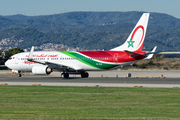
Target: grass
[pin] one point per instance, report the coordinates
(54, 102)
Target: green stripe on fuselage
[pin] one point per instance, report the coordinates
(88, 61)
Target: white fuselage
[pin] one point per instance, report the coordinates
(19, 61)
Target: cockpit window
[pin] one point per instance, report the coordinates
(10, 58)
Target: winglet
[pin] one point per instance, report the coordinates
(30, 58)
(151, 53)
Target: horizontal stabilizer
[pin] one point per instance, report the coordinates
(132, 54)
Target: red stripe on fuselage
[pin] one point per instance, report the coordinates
(113, 56)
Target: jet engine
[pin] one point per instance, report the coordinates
(41, 70)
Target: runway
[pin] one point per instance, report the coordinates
(91, 81)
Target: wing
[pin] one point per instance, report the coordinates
(49, 64)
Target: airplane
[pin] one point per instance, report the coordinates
(79, 62)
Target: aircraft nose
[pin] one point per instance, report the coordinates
(7, 63)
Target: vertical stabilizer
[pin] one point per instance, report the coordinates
(135, 40)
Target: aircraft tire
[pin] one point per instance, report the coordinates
(66, 75)
(84, 75)
(19, 75)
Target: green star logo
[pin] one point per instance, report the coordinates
(130, 43)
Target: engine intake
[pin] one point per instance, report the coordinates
(41, 70)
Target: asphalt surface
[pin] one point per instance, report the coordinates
(123, 73)
(91, 81)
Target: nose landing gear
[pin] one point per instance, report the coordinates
(19, 74)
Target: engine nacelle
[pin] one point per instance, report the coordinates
(41, 70)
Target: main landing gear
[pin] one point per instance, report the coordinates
(83, 74)
(65, 75)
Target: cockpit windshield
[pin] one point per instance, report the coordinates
(10, 58)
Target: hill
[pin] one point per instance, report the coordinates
(90, 30)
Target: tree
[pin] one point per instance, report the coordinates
(1, 61)
(12, 51)
(1, 58)
(1, 52)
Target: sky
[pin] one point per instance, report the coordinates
(48, 7)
